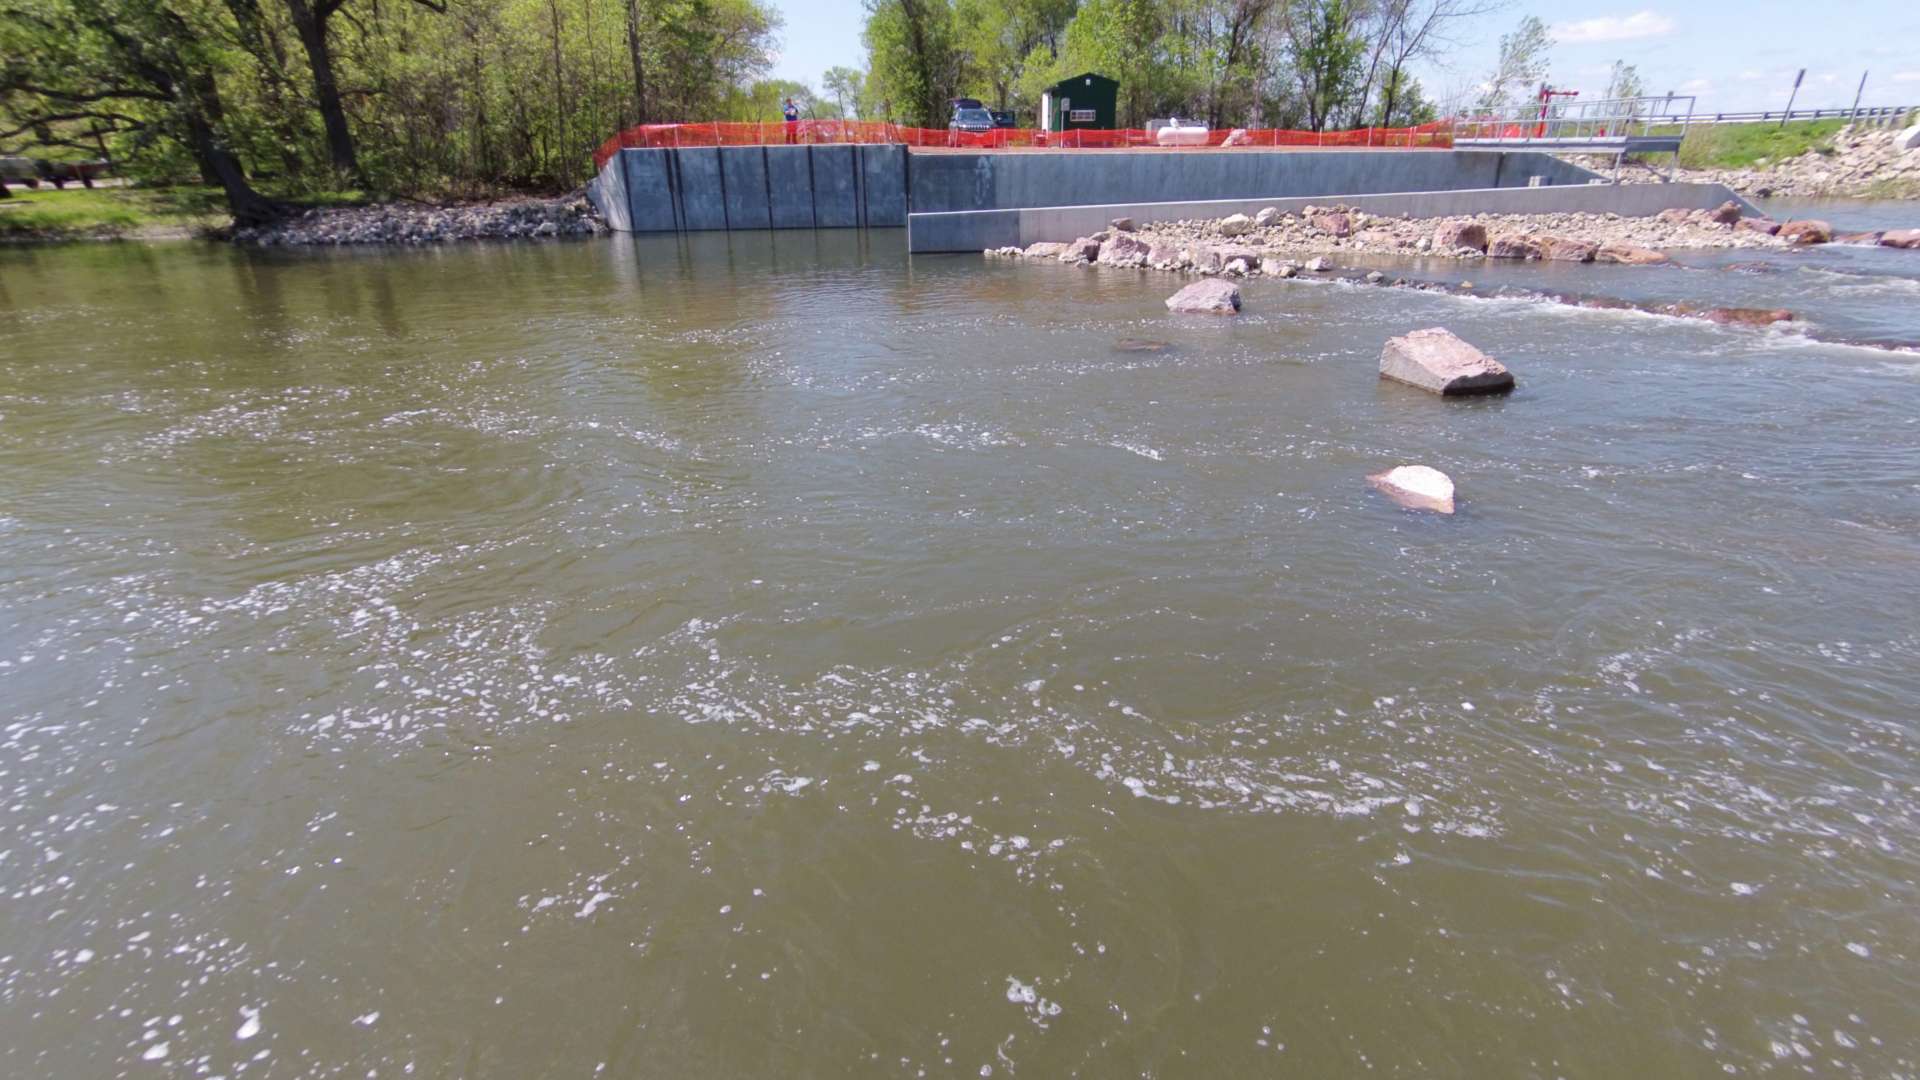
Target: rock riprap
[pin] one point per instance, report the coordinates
(1210, 297)
(393, 223)
(1436, 360)
(1416, 487)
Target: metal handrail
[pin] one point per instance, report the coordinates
(1563, 120)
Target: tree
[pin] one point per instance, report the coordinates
(133, 65)
(845, 85)
(910, 54)
(1401, 32)
(1326, 57)
(1523, 62)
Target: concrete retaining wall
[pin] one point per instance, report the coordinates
(975, 230)
(942, 183)
(693, 189)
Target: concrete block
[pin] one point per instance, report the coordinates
(650, 200)
(743, 173)
(698, 188)
(883, 185)
(836, 188)
(790, 186)
(608, 193)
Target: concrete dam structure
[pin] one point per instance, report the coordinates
(971, 200)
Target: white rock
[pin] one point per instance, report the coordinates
(1265, 217)
(1319, 265)
(1908, 139)
(1437, 361)
(1236, 225)
(1416, 487)
(1211, 297)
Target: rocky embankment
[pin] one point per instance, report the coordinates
(1274, 243)
(410, 223)
(1270, 244)
(1863, 163)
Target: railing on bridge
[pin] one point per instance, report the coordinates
(1562, 122)
(827, 132)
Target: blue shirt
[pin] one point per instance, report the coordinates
(793, 112)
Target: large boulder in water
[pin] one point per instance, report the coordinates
(1901, 238)
(1416, 487)
(1727, 213)
(1044, 250)
(1437, 361)
(1211, 297)
(1757, 224)
(1125, 250)
(1451, 236)
(1809, 231)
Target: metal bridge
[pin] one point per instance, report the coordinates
(1608, 126)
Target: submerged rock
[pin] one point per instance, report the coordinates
(1141, 345)
(1213, 297)
(1437, 361)
(1319, 265)
(1629, 255)
(1743, 316)
(1416, 487)
(1757, 224)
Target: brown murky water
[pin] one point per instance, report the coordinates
(759, 656)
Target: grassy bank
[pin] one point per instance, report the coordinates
(1737, 146)
(126, 213)
(79, 213)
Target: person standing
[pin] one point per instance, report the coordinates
(793, 122)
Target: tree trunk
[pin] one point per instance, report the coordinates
(312, 25)
(639, 62)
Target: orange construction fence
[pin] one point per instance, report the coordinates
(775, 133)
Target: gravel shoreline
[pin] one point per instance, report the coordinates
(523, 218)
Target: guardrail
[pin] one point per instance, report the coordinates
(1877, 116)
(830, 132)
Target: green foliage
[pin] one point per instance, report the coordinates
(435, 96)
(1327, 57)
(1734, 146)
(1522, 63)
(911, 62)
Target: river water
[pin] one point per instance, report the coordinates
(766, 656)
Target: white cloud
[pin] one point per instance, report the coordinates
(1906, 76)
(1640, 24)
(1696, 86)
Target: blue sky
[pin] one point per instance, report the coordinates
(1733, 55)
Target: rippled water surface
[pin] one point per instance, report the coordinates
(764, 656)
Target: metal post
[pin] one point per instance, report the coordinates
(1856, 99)
(1795, 92)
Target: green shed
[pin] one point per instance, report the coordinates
(1086, 100)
